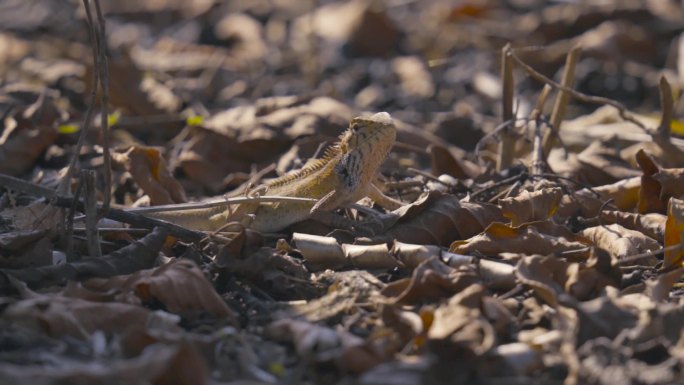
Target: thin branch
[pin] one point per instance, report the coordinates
(622, 110)
(667, 105)
(507, 143)
(65, 184)
(562, 99)
(536, 116)
(89, 191)
(16, 184)
(103, 68)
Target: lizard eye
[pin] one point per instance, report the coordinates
(355, 126)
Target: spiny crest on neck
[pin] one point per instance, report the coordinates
(311, 167)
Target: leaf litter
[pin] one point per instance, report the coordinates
(537, 241)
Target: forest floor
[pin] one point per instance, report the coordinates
(539, 160)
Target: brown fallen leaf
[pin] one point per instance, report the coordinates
(671, 181)
(133, 92)
(598, 164)
(623, 194)
(179, 285)
(674, 234)
(501, 238)
(29, 127)
(431, 280)
(140, 254)
(546, 275)
(444, 161)
(320, 344)
(439, 218)
(531, 206)
(588, 280)
(460, 322)
(659, 289)
(621, 242)
(159, 363)
(652, 225)
(650, 194)
(150, 172)
(25, 248)
(60, 316)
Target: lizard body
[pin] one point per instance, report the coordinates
(342, 176)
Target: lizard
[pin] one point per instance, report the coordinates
(343, 175)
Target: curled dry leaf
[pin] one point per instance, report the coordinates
(444, 162)
(652, 225)
(159, 363)
(531, 206)
(600, 163)
(431, 280)
(546, 275)
(650, 193)
(325, 253)
(674, 234)
(179, 285)
(587, 280)
(659, 288)
(25, 248)
(621, 242)
(460, 322)
(140, 254)
(29, 126)
(321, 344)
(347, 290)
(604, 316)
(27, 217)
(59, 316)
(623, 194)
(132, 92)
(671, 182)
(523, 358)
(439, 218)
(150, 172)
(501, 238)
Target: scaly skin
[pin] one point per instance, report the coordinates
(343, 176)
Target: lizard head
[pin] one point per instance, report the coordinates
(375, 134)
(363, 147)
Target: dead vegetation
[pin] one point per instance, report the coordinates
(539, 160)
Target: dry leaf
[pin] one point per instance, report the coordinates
(531, 206)
(439, 219)
(179, 285)
(623, 194)
(150, 172)
(321, 344)
(652, 225)
(621, 242)
(500, 238)
(674, 234)
(651, 191)
(546, 275)
(431, 280)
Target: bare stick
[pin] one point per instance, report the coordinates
(539, 160)
(16, 184)
(88, 181)
(507, 143)
(103, 68)
(64, 185)
(562, 100)
(667, 105)
(622, 110)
